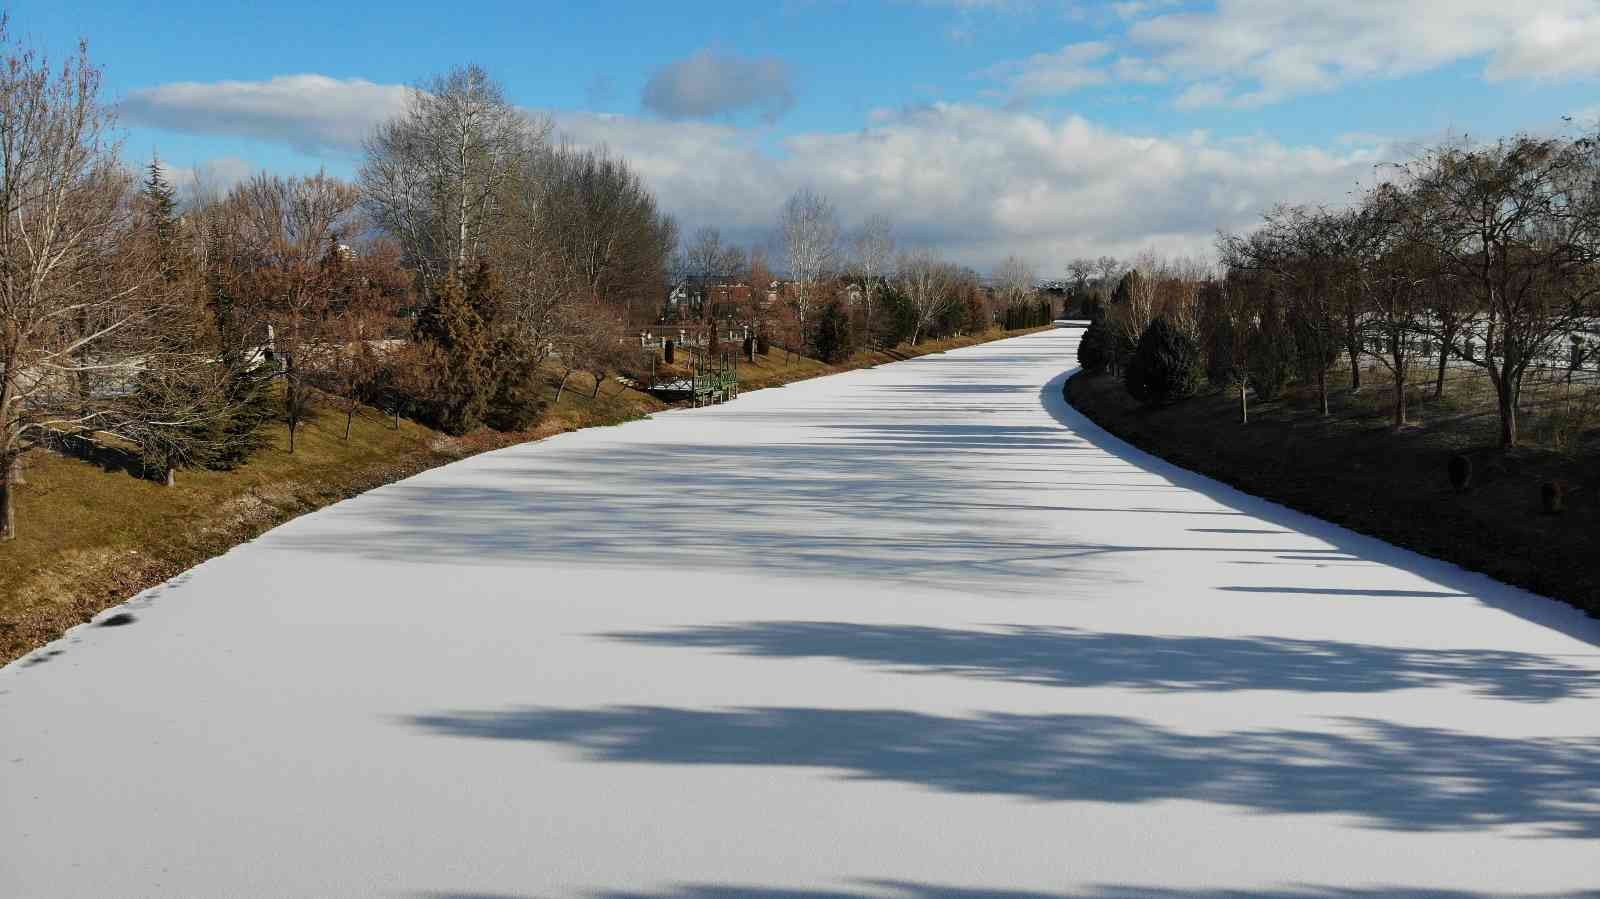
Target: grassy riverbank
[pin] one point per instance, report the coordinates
(1352, 468)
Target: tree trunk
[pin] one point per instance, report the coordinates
(1506, 395)
(1244, 402)
(1355, 368)
(349, 418)
(171, 479)
(461, 237)
(1444, 361)
(596, 393)
(291, 398)
(1399, 398)
(562, 386)
(1322, 387)
(8, 513)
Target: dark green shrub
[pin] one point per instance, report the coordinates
(1220, 368)
(899, 318)
(454, 337)
(239, 432)
(1270, 360)
(1094, 349)
(1166, 366)
(831, 336)
(514, 403)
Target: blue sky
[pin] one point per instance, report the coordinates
(982, 126)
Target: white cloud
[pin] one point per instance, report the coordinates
(710, 84)
(979, 183)
(1254, 52)
(974, 182)
(313, 113)
(1072, 67)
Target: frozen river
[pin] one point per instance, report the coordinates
(913, 631)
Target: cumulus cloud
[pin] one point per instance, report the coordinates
(710, 84)
(979, 183)
(1068, 69)
(1255, 52)
(974, 182)
(312, 113)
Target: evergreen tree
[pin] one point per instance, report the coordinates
(510, 364)
(831, 336)
(976, 315)
(161, 205)
(1125, 287)
(1271, 356)
(899, 317)
(1094, 349)
(1166, 366)
(452, 334)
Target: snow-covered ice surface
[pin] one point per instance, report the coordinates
(914, 631)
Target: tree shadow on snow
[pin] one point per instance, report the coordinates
(1069, 657)
(867, 485)
(1387, 775)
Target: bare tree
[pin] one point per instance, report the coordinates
(874, 254)
(1517, 226)
(926, 282)
(295, 271)
(1394, 270)
(434, 175)
(1079, 271)
(809, 229)
(90, 338)
(1016, 281)
(615, 241)
(1107, 269)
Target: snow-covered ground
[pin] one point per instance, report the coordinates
(914, 631)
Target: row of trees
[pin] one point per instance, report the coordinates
(1485, 256)
(472, 251)
(859, 290)
(473, 254)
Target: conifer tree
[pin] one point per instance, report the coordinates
(1166, 366)
(452, 334)
(161, 207)
(832, 336)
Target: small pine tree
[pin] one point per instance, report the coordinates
(161, 205)
(1271, 358)
(515, 403)
(1166, 366)
(453, 335)
(1094, 349)
(976, 318)
(899, 318)
(832, 335)
(1124, 289)
(510, 366)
